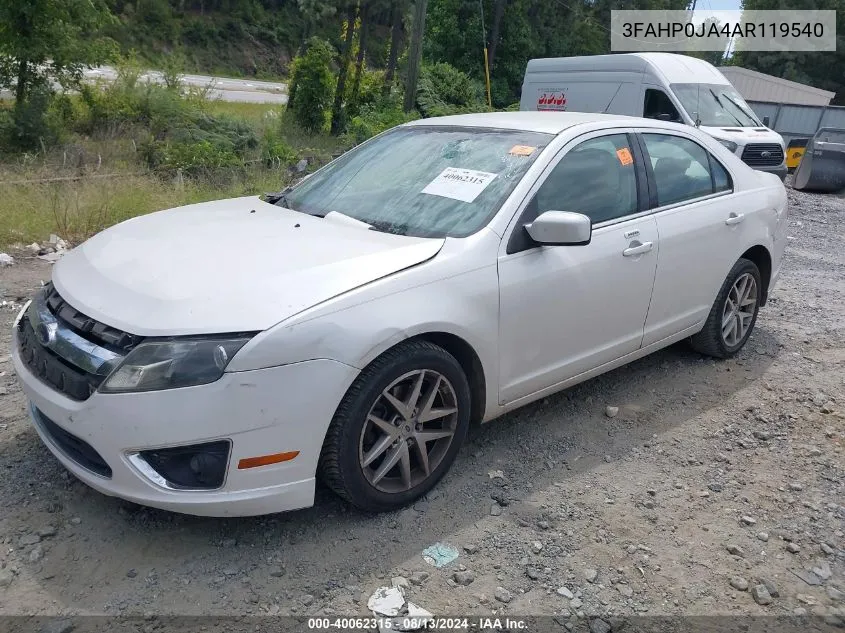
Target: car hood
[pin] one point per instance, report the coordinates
(227, 266)
(744, 135)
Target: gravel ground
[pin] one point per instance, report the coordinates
(716, 488)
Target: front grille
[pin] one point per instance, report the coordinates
(762, 155)
(73, 448)
(52, 369)
(58, 372)
(86, 327)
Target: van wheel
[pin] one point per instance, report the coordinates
(398, 429)
(733, 314)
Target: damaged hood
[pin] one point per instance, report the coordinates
(226, 266)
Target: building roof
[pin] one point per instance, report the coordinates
(757, 86)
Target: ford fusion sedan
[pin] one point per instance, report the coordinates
(220, 358)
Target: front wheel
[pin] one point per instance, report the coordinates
(398, 429)
(733, 314)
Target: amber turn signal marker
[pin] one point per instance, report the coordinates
(266, 460)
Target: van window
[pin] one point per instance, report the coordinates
(595, 178)
(657, 105)
(682, 169)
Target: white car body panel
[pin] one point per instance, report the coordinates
(156, 274)
(329, 296)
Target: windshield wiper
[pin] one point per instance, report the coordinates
(724, 109)
(743, 110)
(278, 196)
(388, 227)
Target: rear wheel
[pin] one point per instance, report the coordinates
(734, 313)
(398, 429)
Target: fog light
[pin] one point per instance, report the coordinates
(195, 467)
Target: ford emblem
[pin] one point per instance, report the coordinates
(46, 333)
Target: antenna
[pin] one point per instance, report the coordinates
(696, 117)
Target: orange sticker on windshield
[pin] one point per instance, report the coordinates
(624, 156)
(522, 150)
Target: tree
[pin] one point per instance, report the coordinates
(338, 119)
(363, 31)
(46, 40)
(395, 42)
(415, 54)
(313, 76)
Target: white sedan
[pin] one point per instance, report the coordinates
(219, 358)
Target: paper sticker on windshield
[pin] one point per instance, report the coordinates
(459, 184)
(624, 156)
(522, 150)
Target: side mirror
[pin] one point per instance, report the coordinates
(561, 228)
(766, 121)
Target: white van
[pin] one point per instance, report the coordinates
(657, 86)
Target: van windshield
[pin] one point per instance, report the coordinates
(717, 105)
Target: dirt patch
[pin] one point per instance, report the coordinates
(717, 487)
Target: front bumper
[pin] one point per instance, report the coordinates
(260, 412)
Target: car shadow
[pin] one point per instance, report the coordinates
(110, 546)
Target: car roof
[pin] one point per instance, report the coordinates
(526, 121)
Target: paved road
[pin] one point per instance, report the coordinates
(223, 88)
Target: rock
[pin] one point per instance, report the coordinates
(747, 520)
(795, 486)
(826, 549)
(565, 592)
(471, 549)
(736, 550)
(799, 611)
(763, 536)
(543, 525)
(6, 260)
(761, 595)
(277, 572)
(740, 584)
(57, 626)
(495, 510)
(822, 570)
(499, 497)
(533, 573)
(34, 248)
(611, 412)
(503, 595)
(590, 575)
(814, 452)
(76, 521)
(6, 577)
(47, 531)
(29, 539)
(834, 594)
(770, 587)
(131, 573)
(301, 166)
(463, 578)
(36, 554)
(809, 577)
(625, 590)
(762, 435)
(536, 547)
(792, 548)
(400, 582)
(599, 626)
(307, 600)
(229, 542)
(576, 603)
(418, 577)
(715, 486)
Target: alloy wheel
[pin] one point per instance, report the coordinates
(738, 312)
(408, 431)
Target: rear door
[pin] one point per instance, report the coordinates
(702, 229)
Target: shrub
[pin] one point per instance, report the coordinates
(314, 80)
(376, 118)
(29, 124)
(443, 89)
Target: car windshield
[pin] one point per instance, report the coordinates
(422, 181)
(716, 105)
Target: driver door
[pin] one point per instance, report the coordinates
(565, 310)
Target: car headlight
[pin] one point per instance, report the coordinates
(729, 144)
(168, 364)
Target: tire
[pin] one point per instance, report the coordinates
(712, 340)
(367, 418)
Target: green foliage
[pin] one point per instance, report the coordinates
(443, 89)
(173, 69)
(314, 81)
(377, 117)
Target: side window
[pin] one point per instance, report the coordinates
(595, 178)
(681, 168)
(657, 105)
(721, 177)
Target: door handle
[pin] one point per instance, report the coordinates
(637, 249)
(735, 218)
